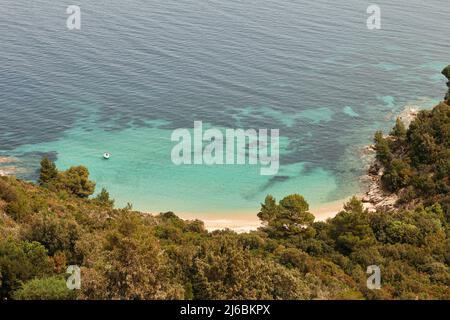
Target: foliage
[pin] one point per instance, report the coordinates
(103, 199)
(21, 261)
(76, 181)
(417, 164)
(399, 130)
(289, 217)
(48, 172)
(133, 267)
(384, 154)
(446, 73)
(49, 288)
(129, 255)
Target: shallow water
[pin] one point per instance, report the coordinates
(139, 69)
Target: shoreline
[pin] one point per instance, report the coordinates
(249, 221)
(237, 221)
(7, 166)
(376, 197)
(372, 197)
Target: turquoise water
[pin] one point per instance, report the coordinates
(141, 172)
(138, 70)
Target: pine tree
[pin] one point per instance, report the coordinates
(76, 181)
(382, 148)
(104, 199)
(48, 172)
(399, 130)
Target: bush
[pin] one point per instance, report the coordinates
(54, 233)
(18, 205)
(21, 261)
(50, 288)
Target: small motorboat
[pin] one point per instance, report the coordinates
(106, 155)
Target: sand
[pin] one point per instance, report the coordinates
(248, 221)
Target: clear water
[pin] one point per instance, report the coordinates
(139, 69)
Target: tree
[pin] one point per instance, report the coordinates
(269, 210)
(399, 130)
(382, 148)
(76, 181)
(296, 258)
(17, 202)
(446, 73)
(350, 228)
(296, 211)
(21, 261)
(48, 172)
(397, 175)
(423, 147)
(225, 270)
(54, 233)
(131, 265)
(289, 217)
(104, 199)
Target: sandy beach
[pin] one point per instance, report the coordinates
(248, 221)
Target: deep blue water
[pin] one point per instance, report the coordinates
(138, 69)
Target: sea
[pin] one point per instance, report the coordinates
(136, 70)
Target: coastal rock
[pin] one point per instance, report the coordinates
(375, 197)
(408, 115)
(446, 73)
(7, 160)
(8, 171)
(368, 150)
(7, 168)
(374, 169)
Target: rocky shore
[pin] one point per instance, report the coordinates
(375, 197)
(7, 167)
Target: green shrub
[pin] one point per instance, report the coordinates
(50, 288)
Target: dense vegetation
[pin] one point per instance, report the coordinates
(125, 254)
(416, 161)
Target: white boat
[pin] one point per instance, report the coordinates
(106, 155)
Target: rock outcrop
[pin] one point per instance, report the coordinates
(446, 73)
(6, 167)
(375, 197)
